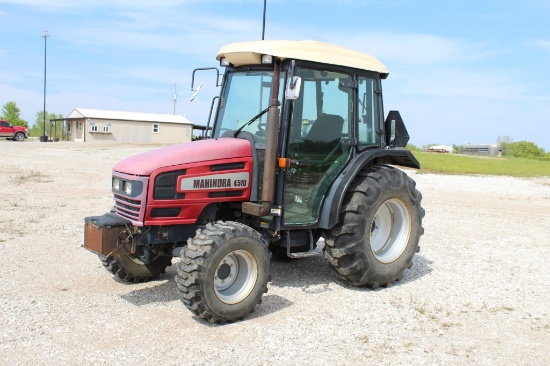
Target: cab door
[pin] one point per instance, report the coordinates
(5, 129)
(319, 142)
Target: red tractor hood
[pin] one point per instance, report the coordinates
(145, 164)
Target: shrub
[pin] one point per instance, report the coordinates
(525, 149)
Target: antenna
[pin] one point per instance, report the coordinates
(175, 98)
(263, 26)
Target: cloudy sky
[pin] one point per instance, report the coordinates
(460, 71)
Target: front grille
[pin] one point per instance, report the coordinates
(127, 208)
(131, 208)
(127, 200)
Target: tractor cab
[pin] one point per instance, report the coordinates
(329, 110)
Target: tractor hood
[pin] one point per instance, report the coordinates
(205, 150)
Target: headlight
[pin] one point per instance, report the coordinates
(116, 184)
(127, 187)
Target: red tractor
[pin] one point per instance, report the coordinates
(299, 150)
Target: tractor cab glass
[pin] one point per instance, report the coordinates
(367, 104)
(244, 98)
(322, 117)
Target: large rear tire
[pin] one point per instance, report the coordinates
(131, 268)
(223, 272)
(379, 229)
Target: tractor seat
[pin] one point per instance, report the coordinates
(325, 134)
(326, 128)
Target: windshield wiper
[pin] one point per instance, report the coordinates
(251, 121)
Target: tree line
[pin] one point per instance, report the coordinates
(11, 113)
(519, 149)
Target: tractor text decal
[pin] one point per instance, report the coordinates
(217, 181)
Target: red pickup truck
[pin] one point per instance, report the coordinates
(10, 132)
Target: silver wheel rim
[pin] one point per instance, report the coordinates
(19, 137)
(390, 230)
(235, 276)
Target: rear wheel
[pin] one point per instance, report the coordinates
(379, 229)
(223, 272)
(131, 268)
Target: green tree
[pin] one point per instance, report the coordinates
(10, 112)
(504, 142)
(457, 149)
(526, 149)
(38, 126)
(52, 129)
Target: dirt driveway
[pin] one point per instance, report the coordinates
(478, 292)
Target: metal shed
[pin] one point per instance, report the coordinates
(482, 149)
(96, 125)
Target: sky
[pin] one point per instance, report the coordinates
(460, 71)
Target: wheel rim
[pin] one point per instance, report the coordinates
(19, 137)
(235, 276)
(390, 230)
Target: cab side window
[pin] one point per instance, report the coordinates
(368, 113)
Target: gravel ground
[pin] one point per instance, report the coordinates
(478, 291)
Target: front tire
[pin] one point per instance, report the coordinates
(19, 136)
(131, 268)
(223, 272)
(379, 229)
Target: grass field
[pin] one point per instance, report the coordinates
(462, 164)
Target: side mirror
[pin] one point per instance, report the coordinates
(195, 92)
(396, 132)
(293, 87)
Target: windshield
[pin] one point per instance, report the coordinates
(245, 95)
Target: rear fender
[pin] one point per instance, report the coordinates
(330, 214)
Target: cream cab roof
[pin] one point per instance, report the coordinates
(250, 53)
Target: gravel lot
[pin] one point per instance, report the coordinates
(478, 292)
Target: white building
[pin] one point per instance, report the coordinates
(96, 125)
(441, 149)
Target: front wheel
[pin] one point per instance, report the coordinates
(379, 229)
(132, 268)
(224, 271)
(19, 136)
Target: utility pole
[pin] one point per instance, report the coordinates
(44, 138)
(175, 98)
